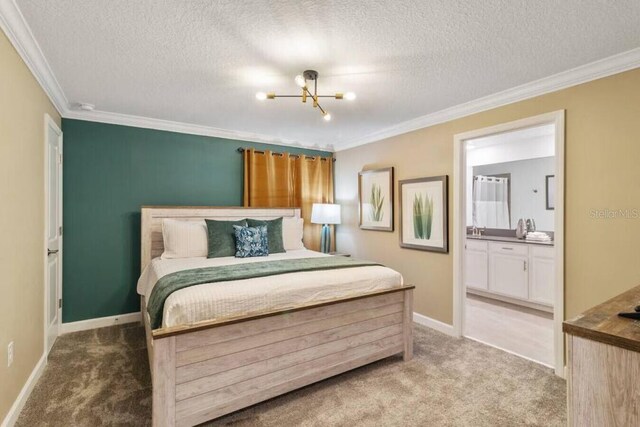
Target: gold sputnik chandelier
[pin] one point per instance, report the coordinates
(303, 81)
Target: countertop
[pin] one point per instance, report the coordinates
(509, 239)
(602, 323)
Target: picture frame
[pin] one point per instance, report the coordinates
(424, 213)
(550, 192)
(375, 199)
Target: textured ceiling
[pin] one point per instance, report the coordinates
(201, 62)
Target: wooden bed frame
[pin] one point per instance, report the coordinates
(208, 369)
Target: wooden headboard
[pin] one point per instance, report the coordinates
(152, 244)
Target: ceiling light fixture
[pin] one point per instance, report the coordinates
(303, 81)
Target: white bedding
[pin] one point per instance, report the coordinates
(224, 299)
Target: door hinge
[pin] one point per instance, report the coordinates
(60, 303)
(60, 158)
(60, 230)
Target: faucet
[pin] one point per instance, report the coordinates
(477, 232)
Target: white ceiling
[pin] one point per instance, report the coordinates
(201, 62)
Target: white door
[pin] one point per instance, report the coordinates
(509, 275)
(53, 230)
(541, 283)
(475, 269)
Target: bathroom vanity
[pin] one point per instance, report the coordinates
(512, 270)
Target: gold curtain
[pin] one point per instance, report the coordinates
(284, 180)
(314, 184)
(269, 180)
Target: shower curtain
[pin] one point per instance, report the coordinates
(491, 202)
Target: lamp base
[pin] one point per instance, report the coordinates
(325, 239)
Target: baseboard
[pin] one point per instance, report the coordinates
(100, 322)
(433, 324)
(16, 408)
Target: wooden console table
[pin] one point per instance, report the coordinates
(604, 364)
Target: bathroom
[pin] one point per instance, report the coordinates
(509, 257)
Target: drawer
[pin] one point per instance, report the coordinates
(542, 251)
(474, 245)
(509, 248)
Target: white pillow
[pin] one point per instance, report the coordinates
(292, 233)
(184, 239)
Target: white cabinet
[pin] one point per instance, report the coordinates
(542, 275)
(515, 272)
(508, 270)
(476, 265)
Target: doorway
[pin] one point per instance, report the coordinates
(499, 277)
(53, 232)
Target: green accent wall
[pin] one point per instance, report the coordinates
(109, 171)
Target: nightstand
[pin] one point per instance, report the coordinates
(339, 254)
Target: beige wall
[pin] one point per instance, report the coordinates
(602, 256)
(22, 107)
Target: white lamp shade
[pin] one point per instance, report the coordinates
(325, 213)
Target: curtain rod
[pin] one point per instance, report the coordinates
(242, 150)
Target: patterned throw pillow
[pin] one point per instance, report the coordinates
(251, 241)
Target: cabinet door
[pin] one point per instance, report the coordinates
(475, 269)
(509, 275)
(541, 286)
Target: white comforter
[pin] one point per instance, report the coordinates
(224, 299)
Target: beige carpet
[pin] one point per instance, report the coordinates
(101, 377)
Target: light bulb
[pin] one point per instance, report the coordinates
(327, 117)
(261, 96)
(349, 96)
(300, 81)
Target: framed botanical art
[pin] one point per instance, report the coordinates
(375, 194)
(550, 192)
(424, 213)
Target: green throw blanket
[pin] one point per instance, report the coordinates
(183, 279)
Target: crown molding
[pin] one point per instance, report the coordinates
(186, 128)
(615, 64)
(17, 30)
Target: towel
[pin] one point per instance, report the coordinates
(538, 236)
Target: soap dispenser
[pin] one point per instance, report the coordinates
(521, 231)
(531, 225)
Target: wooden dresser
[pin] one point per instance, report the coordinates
(604, 364)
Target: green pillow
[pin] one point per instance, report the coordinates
(274, 233)
(221, 238)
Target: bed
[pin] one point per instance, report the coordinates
(225, 346)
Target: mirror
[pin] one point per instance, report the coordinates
(504, 192)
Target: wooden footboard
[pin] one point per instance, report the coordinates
(209, 369)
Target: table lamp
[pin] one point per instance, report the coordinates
(325, 214)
